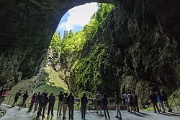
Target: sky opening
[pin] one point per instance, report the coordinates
(76, 18)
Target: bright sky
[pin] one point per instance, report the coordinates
(76, 18)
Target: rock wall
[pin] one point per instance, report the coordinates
(137, 48)
(26, 29)
(141, 37)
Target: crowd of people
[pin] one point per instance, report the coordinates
(39, 102)
(159, 100)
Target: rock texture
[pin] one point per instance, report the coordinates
(26, 29)
(2, 112)
(141, 41)
(137, 48)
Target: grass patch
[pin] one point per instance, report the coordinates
(174, 99)
(53, 85)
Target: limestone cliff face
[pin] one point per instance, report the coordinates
(138, 48)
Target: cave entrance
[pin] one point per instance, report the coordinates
(76, 27)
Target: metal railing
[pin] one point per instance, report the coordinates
(9, 99)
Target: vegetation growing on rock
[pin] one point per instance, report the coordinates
(131, 49)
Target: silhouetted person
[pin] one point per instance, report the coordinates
(1, 94)
(65, 104)
(135, 102)
(16, 97)
(37, 101)
(43, 100)
(131, 102)
(25, 96)
(104, 105)
(84, 102)
(51, 104)
(126, 101)
(60, 103)
(118, 103)
(153, 99)
(165, 100)
(32, 102)
(98, 102)
(70, 100)
(160, 102)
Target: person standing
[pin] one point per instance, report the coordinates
(105, 106)
(65, 104)
(60, 103)
(37, 101)
(118, 102)
(51, 104)
(25, 96)
(70, 100)
(43, 100)
(16, 97)
(4, 94)
(1, 94)
(131, 102)
(84, 102)
(32, 102)
(98, 102)
(160, 102)
(153, 99)
(126, 101)
(135, 102)
(165, 100)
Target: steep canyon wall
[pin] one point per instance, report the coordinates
(137, 48)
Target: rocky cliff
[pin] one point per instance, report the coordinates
(26, 29)
(137, 48)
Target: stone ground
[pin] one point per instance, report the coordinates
(16, 114)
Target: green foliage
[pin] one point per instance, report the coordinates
(53, 84)
(103, 11)
(56, 42)
(87, 72)
(71, 43)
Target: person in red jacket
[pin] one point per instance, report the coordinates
(3, 95)
(33, 99)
